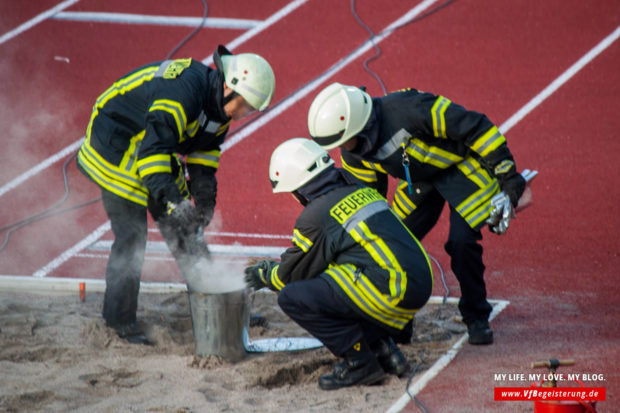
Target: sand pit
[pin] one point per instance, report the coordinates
(57, 355)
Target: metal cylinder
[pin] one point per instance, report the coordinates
(220, 323)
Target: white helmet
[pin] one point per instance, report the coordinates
(295, 162)
(248, 74)
(337, 114)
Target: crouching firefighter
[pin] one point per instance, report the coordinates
(354, 275)
(145, 130)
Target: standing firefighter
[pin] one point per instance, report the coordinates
(440, 152)
(139, 130)
(354, 275)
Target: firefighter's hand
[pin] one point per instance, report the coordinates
(501, 213)
(205, 214)
(184, 215)
(256, 275)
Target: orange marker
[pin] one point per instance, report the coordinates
(82, 291)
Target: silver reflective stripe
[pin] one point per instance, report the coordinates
(212, 126)
(364, 213)
(386, 261)
(471, 169)
(163, 67)
(206, 157)
(255, 92)
(393, 144)
(477, 200)
(490, 141)
(133, 156)
(202, 118)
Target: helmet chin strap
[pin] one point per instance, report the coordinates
(302, 199)
(230, 97)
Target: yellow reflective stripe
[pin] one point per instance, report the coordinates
(478, 205)
(111, 178)
(126, 84)
(193, 128)
(369, 299)
(431, 155)
(428, 261)
(438, 114)
(302, 242)
(472, 169)
(205, 158)
(275, 280)
(382, 255)
(153, 164)
(375, 166)
(128, 162)
(402, 204)
(488, 142)
(361, 174)
(222, 128)
(175, 109)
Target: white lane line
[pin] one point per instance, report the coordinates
(40, 166)
(129, 18)
(560, 80)
(65, 256)
(36, 20)
(160, 247)
(238, 234)
(277, 16)
(300, 94)
(443, 361)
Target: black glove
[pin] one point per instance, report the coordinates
(510, 181)
(256, 276)
(204, 191)
(183, 215)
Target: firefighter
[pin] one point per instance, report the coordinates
(354, 275)
(149, 129)
(440, 152)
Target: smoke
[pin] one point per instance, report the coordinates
(216, 276)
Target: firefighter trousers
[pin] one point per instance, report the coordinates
(316, 307)
(124, 268)
(465, 251)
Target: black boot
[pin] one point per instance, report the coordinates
(132, 333)
(391, 359)
(359, 367)
(480, 332)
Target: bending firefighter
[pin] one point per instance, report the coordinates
(440, 152)
(354, 275)
(146, 131)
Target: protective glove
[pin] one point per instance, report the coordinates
(204, 191)
(501, 213)
(183, 215)
(256, 276)
(503, 209)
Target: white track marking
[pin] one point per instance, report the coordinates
(40, 166)
(443, 361)
(160, 247)
(277, 16)
(129, 18)
(238, 234)
(36, 20)
(65, 256)
(559, 81)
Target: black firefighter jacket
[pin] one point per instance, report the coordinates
(147, 117)
(442, 145)
(351, 238)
